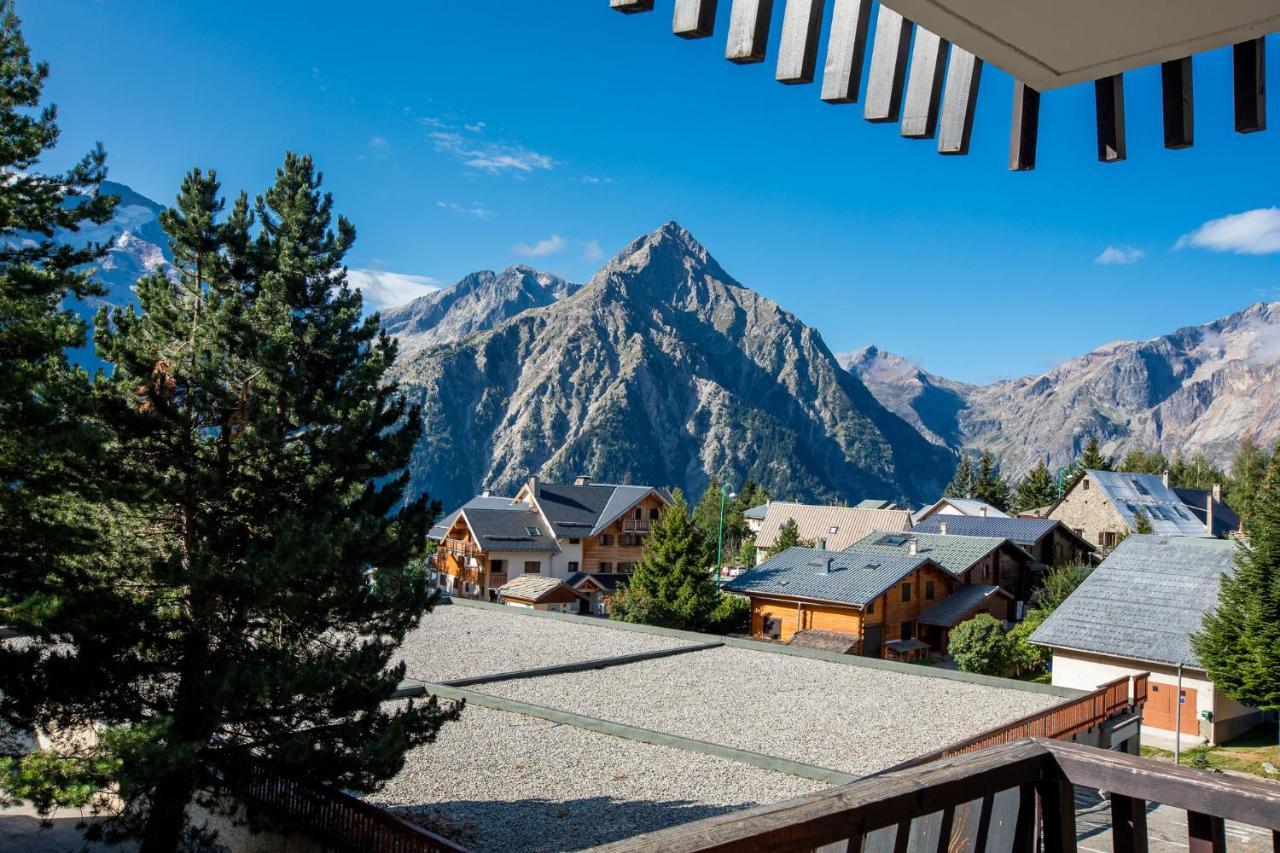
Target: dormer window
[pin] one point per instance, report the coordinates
(834, 529)
(532, 531)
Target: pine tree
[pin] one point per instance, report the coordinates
(1239, 643)
(990, 486)
(706, 515)
(673, 586)
(964, 482)
(1036, 490)
(788, 537)
(1248, 472)
(1142, 522)
(263, 568)
(1144, 462)
(1092, 458)
(49, 445)
(1198, 472)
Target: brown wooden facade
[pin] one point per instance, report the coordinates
(620, 547)
(459, 556)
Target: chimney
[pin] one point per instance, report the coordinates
(582, 480)
(1208, 511)
(982, 510)
(533, 486)
(942, 528)
(913, 548)
(487, 493)
(1217, 492)
(1165, 478)
(827, 569)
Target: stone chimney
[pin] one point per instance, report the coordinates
(942, 528)
(1208, 510)
(913, 548)
(1165, 478)
(982, 510)
(582, 480)
(1217, 492)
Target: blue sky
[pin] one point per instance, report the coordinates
(468, 134)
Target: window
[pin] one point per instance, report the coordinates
(532, 567)
(532, 531)
(626, 567)
(632, 540)
(1108, 540)
(906, 592)
(573, 565)
(653, 513)
(871, 607)
(605, 540)
(928, 590)
(639, 513)
(497, 566)
(574, 540)
(1142, 490)
(606, 567)
(1079, 531)
(986, 570)
(1084, 484)
(833, 530)
(907, 632)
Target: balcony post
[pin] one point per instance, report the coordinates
(1128, 824)
(1206, 833)
(1058, 810)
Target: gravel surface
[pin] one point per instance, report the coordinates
(851, 718)
(456, 641)
(499, 781)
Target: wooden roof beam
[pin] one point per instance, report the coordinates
(888, 66)
(748, 31)
(1109, 100)
(630, 7)
(1251, 85)
(694, 19)
(1025, 130)
(846, 48)
(924, 85)
(959, 101)
(798, 49)
(1176, 92)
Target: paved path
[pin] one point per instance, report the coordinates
(21, 830)
(1166, 828)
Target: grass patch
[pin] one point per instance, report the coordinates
(1246, 755)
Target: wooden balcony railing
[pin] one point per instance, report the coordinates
(460, 547)
(636, 525)
(342, 822)
(1017, 797)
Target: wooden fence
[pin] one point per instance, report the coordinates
(342, 822)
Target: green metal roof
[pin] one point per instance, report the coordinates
(951, 551)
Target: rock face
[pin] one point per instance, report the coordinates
(662, 370)
(1198, 390)
(478, 302)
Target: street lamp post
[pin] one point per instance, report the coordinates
(725, 495)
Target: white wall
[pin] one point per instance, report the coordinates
(515, 561)
(568, 554)
(1086, 672)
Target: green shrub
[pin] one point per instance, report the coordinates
(981, 645)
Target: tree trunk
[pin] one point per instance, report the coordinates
(166, 818)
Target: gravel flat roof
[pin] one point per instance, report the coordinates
(496, 781)
(458, 641)
(845, 717)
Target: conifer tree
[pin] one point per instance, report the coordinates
(964, 482)
(1093, 458)
(1248, 472)
(1239, 643)
(263, 569)
(1036, 490)
(673, 586)
(788, 537)
(990, 486)
(1198, 472)
(706, 515)
(49, 446)
(1140, 461)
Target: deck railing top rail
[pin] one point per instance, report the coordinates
(1022, 791)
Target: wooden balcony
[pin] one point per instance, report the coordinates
(636, 525)
(1018, 797)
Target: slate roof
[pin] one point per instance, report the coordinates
(441, 530)
(876, 503)
(825, 641)
(953, 552)
(509, 530)
(855, 579)
(1022, 531)
(1225, 519)
(952, 610)
(579, 511)
(756, 511)
(530, 587)
(1145, 601)
(815, 523)
(611, 581)
(966, 506)
(1130, 493)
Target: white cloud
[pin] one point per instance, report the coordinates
(383, 289)
(471, 210)
(1254, 232)
(468, 144)
(1119, 255)
(377, 143)
(591, 250)
(593, 179)
(540, 249)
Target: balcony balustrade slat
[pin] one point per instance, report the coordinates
(1128, 824)
(1206, 833)
(1024, 831)
(1058, 815)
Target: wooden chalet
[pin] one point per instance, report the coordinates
(598, 589)
(924, 58)
(1050, 543)
(539, 592)
(829, 528)
(547, 529)
(873, 599)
